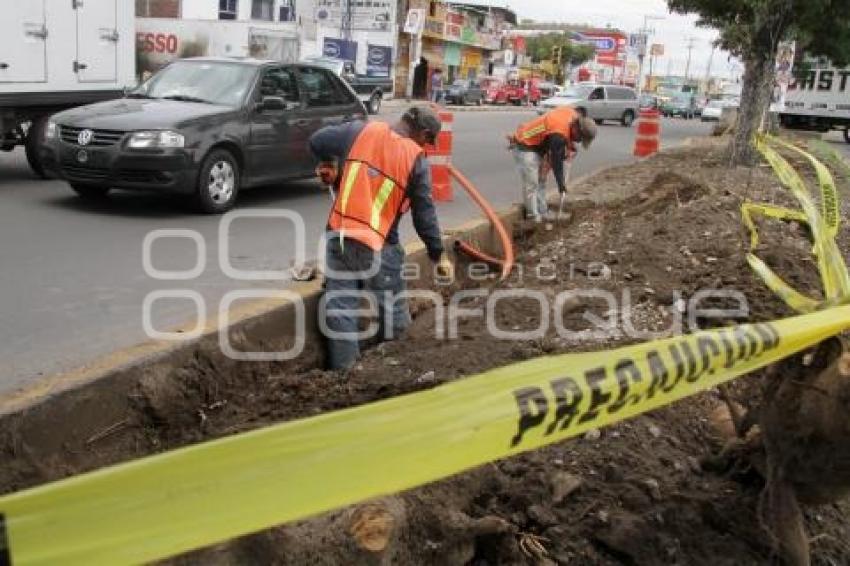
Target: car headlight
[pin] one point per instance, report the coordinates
(50, 130)
(146, 140)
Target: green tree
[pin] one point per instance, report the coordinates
(541, 47)
(752, 31)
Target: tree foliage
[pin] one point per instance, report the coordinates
(540, 48)
(821, 27)
(753, 29)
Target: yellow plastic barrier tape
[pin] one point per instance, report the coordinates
(831, 265)
(829, 195)
(196, 496)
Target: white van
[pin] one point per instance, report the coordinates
(600, 102)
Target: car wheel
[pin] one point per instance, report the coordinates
(89, 192)
(218, 182)
(847, 135)
(628, 118)
(598, 121)
(35, 138)
(375, 103)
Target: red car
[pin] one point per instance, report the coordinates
(523, 91)
(494, 91)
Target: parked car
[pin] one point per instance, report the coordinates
(370, 90)
(464, 91)
(204, 127)
(649, 102)
(494, 91)
(714, 109)
(600, 102)
(681, 106)
(523, 91)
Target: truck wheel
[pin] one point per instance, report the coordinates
(628, 118)
(89, 192)
(35, 137)
(218, 182)
(375, 103)
(847, 135)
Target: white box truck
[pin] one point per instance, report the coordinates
(818, 98)
(57, 54)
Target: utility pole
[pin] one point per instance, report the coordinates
(690, 46)
(646, 32)
(708, 70)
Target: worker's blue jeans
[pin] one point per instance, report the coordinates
(344, 300)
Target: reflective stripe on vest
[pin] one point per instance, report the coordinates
(557, 121)
(373, 185)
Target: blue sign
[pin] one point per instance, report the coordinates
(378, 60)
(604, 44)
(340, 49)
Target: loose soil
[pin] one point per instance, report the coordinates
(652, 490)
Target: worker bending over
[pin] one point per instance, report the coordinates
(384, 173)
(544, 143)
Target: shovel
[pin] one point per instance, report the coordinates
(567, 173)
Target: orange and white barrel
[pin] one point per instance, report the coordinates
(440, 157)
(648, 140)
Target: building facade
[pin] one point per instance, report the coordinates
(459, 39)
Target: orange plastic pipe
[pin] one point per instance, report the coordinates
(507, 264)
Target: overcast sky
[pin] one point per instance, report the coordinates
(628, 15)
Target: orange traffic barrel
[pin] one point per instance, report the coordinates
(648, 140)
(440, 156)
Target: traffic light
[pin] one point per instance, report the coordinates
(557, 52)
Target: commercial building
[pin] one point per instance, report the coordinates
(460, 39)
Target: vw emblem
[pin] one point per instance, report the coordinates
(82, 156)
(85, 137)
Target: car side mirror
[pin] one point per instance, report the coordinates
(272, 104)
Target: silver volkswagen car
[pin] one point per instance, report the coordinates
(600, 102)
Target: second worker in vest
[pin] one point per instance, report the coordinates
(547, 142)
(383, 173)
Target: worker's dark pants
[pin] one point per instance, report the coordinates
(347, 294)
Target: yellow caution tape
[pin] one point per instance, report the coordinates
(196, 496)
(831, 265)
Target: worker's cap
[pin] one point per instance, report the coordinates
(423, 119)
(587, 130)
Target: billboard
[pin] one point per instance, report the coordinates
(379, 60)
(369, 15)
(340, 49)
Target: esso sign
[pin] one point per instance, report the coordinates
(331, 50)
(377, 56)
(149, 42)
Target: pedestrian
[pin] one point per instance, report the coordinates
(384, 173)
(437, 86)
(543, 144)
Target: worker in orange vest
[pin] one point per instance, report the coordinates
(382, 173)
(544, 143)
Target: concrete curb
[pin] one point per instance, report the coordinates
(400, 104)
(61, 413)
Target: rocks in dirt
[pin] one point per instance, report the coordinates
(654, 430)
(593, 434)
(653, 488)
(541, 515)
(427, 377)
(562, 484)
(627, 536)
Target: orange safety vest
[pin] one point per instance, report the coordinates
(557, 121)
(373, 187)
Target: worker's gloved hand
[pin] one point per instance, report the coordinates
(327, 172)
(445, 268)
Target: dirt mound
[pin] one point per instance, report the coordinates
(647, 491)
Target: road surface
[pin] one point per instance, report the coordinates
(72, 277)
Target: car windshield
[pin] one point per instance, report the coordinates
(335, 65)
(577, 92)
(200, 81)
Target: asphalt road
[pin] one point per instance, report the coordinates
(72, 276)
